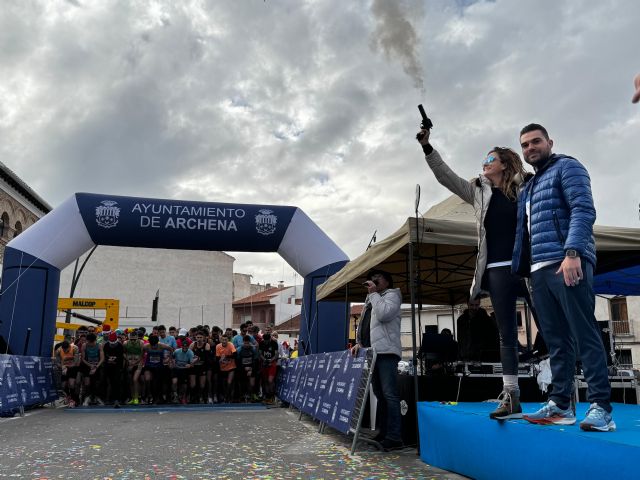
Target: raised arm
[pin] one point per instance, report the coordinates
(443, 173)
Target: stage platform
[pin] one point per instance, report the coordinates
(461, 438)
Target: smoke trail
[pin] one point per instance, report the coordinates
(397, 38)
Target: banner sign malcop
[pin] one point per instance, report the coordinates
(324, 385)
(150, 222)
(25, 381)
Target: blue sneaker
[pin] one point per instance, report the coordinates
(550, 414)
(597, 420)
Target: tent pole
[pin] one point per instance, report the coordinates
(527, 320)
(453, 319)
(412, 293)
(419, 278)
(347, 312)
(412, 290)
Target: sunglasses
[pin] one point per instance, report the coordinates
(489, 159)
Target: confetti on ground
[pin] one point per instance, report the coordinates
(252, 445)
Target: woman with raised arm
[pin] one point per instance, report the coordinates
(494, 195)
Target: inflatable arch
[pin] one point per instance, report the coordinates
(33, 260)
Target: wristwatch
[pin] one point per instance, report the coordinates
(571, 253)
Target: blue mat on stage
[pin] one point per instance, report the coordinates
(461, 438)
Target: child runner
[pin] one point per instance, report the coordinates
(92, 358)
(68, 357)
(226, 355)
(269, 357)
(248, 358)
(133, 358)
(154, 368)
(213, 375)
(202, 352)
(184, 359)
(113, 367)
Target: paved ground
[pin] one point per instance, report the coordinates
(191, 444)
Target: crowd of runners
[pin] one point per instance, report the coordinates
(198, 365)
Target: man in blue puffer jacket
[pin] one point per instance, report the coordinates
(555, 247)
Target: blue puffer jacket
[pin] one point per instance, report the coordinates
(562, 215)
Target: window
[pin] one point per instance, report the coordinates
(18, 229)
(619, 308)
(619, 315)
(445, 321)
(624, 358)
(4, 225)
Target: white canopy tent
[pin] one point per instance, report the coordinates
(445, 244)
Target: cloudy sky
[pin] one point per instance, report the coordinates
(312, 103)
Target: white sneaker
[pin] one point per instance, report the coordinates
(598, 420)
(87, 401)
(210, 401)
(99, 401)
(551, 414)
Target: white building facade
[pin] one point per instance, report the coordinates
(195, 287)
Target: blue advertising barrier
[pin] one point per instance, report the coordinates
(330, 387)
(26, 381)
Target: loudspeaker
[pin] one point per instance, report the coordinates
(430, 330)
(438, 348)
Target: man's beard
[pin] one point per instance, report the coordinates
(541, 161)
